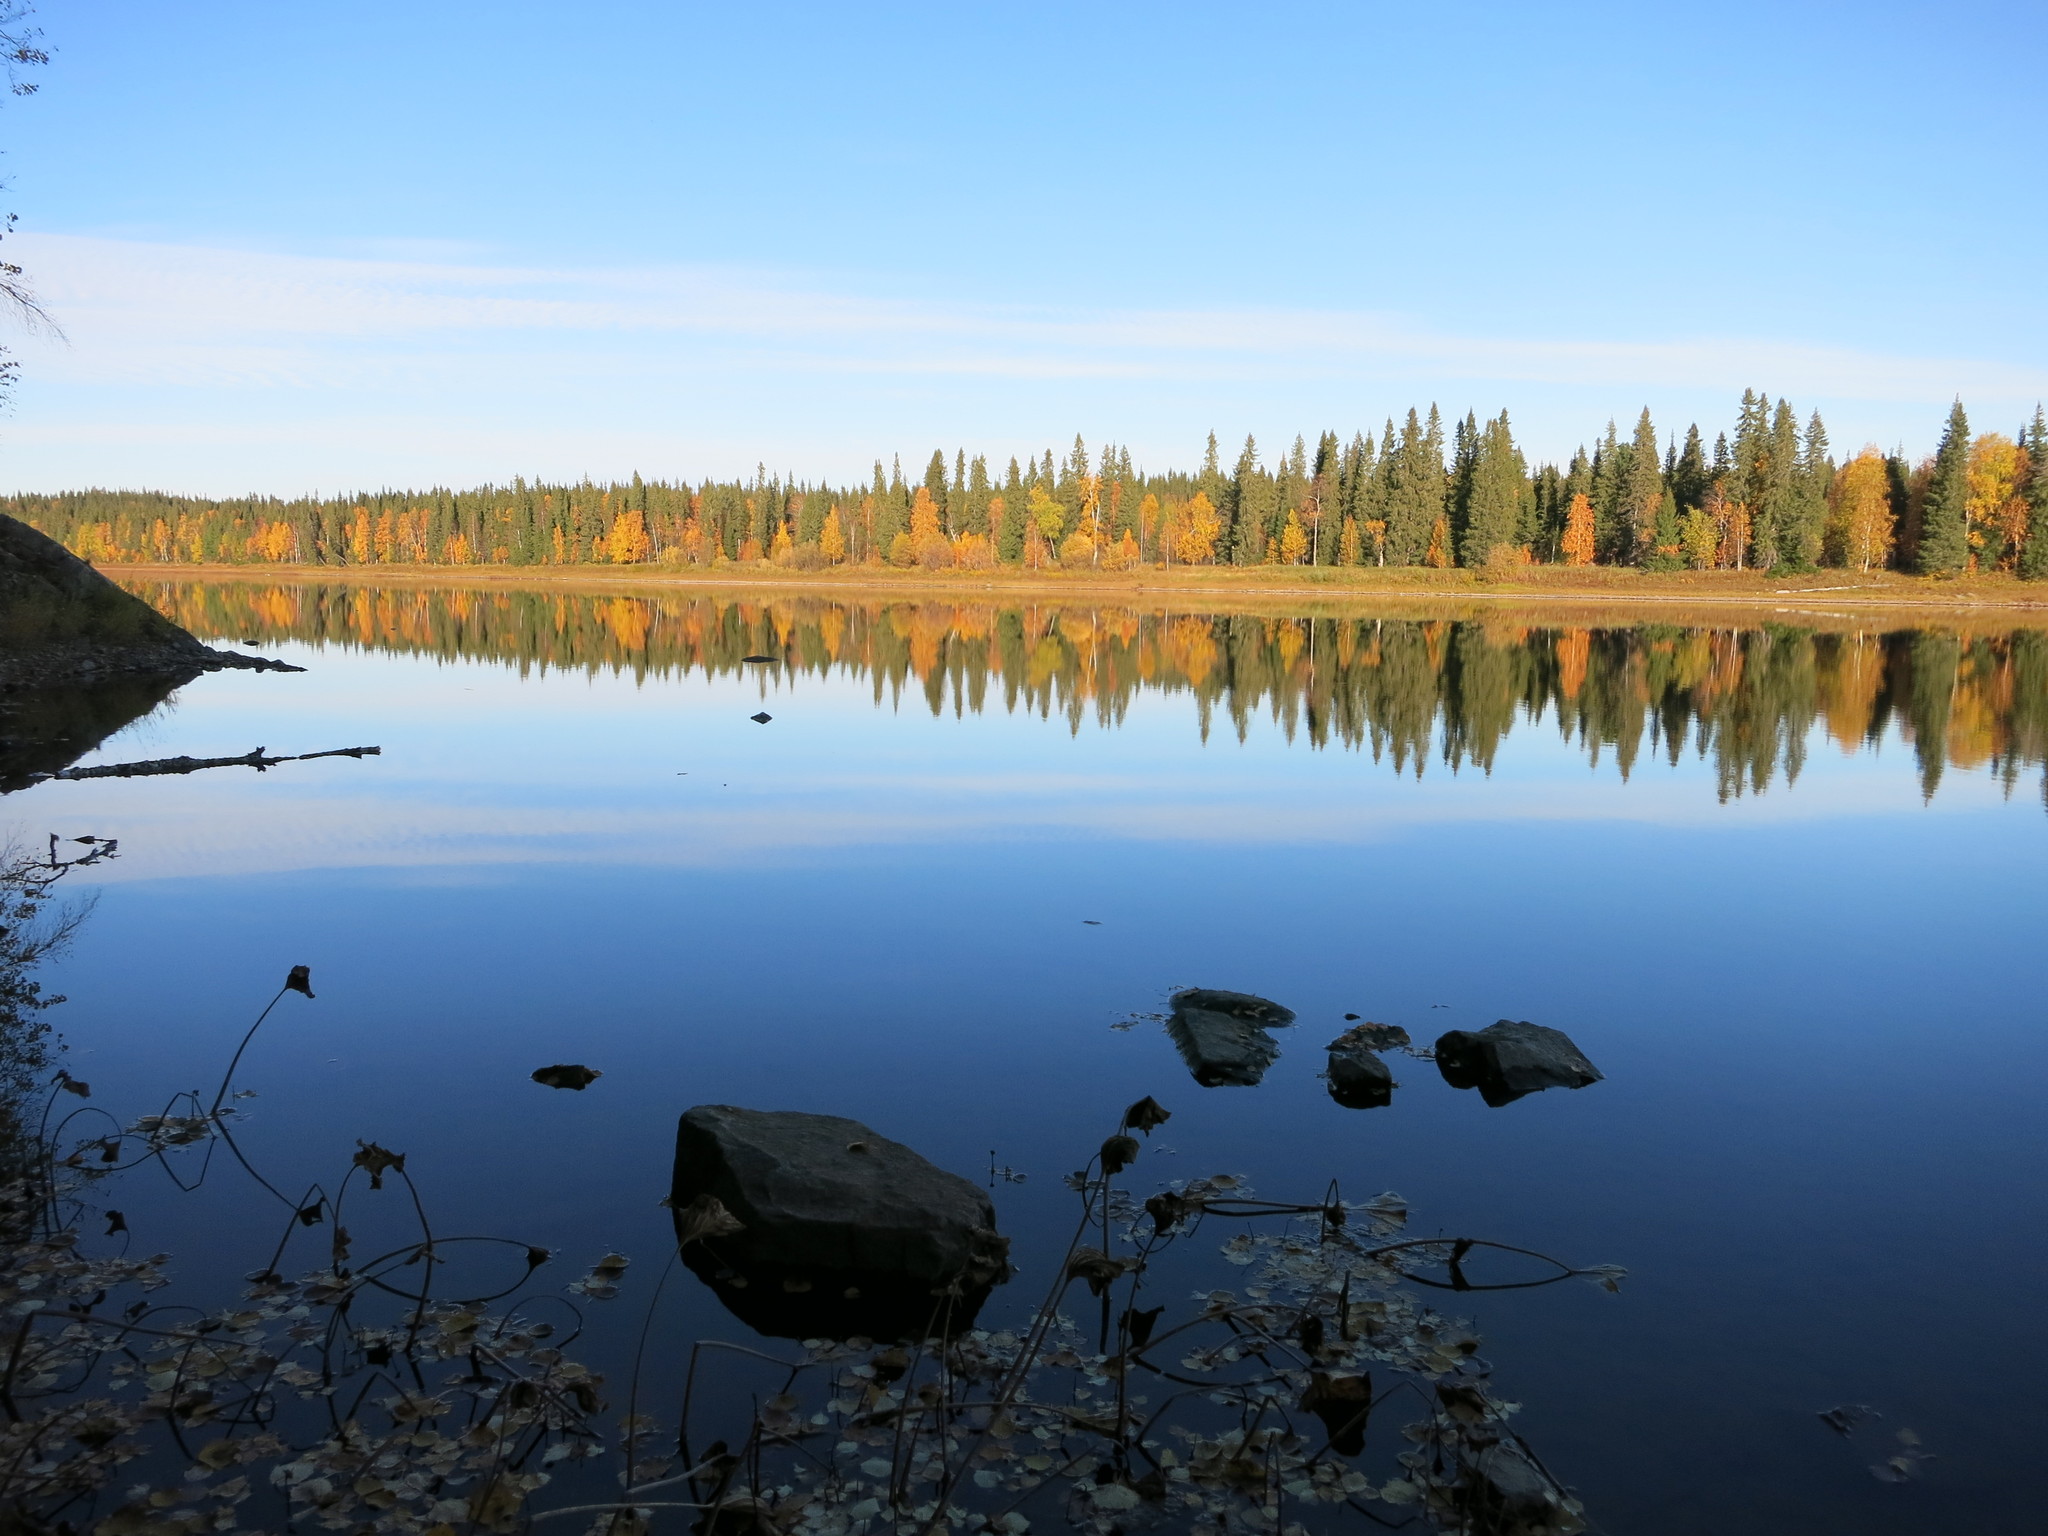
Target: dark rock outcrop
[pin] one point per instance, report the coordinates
(1509, 1060)
(1359, 1079)
(843, 1232)
(1222, 1035)
(63, 623)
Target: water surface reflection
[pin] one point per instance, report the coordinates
(1410, 690)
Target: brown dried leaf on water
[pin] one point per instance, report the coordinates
(705, 1217)
(374, 1160)
(567, 1075)
(1609, 1277)
(1118, 1153)
(300, 980)
(602, 1283)
(1844, 1418)
(1904, 1464)
(116, 1222)
(1145, 1115)
(71, 1084)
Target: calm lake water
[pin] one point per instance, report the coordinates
(1783, 885)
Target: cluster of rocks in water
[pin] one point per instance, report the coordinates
(1223, 1037)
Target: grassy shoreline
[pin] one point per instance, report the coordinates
(1255, 588)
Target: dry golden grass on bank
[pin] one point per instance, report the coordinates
(1538, 594)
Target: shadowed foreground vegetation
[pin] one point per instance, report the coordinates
(1409, 689)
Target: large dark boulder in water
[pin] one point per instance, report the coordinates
(1222, 1035)
(62, 621)
(1359, 1079)
(1509, 1060)
(843, 1232)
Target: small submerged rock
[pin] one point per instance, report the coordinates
(1510, 1060)
(1222, 1035)
(841, 1231)
(1359, 1079)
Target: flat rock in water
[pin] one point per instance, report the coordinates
(1509, 1060)
(1359, 1079)
(844, 1232)
(1222, 1035)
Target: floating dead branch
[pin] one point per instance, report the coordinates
(156, 765)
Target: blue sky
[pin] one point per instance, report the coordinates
(298, 247)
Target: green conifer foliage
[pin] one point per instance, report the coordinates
(1945, 514)
(1497, 492)
(1690, 476)
(1642, 493)
(2033, 564)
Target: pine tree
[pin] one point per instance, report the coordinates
(1945, 517)
(2034, 554)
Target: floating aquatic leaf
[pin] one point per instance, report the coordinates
(757, 658)
(71, 1084)
(1845, 1417)
(116, 1222)
(567, 1075)
(300, 980)
(762, 718)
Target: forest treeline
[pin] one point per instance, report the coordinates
(1771, 497)
(1410, 691)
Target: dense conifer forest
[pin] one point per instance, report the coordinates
(1408, 691)
(1772, 496)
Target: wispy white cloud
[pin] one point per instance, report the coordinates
(199, 368)
(136, 310)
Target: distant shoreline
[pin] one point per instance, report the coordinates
(1258, 587)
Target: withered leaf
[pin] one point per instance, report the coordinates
(1168, 1209)
(373, 1160)
(1139, 1325)
(71, 1084)
(300, 980)
(704, 1217)
(1118, 1153)
(1144, 1115)
(1343, 1403)
(116, 1222)
(1097, 1268)
(762, 718)
(567, 1075)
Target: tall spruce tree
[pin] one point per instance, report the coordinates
(1690, 475)
(1642, 492)
(2034, 553)
(1496, 490)
(1945, 515)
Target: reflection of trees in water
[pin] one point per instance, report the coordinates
(1408, 690)
(32, 930)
